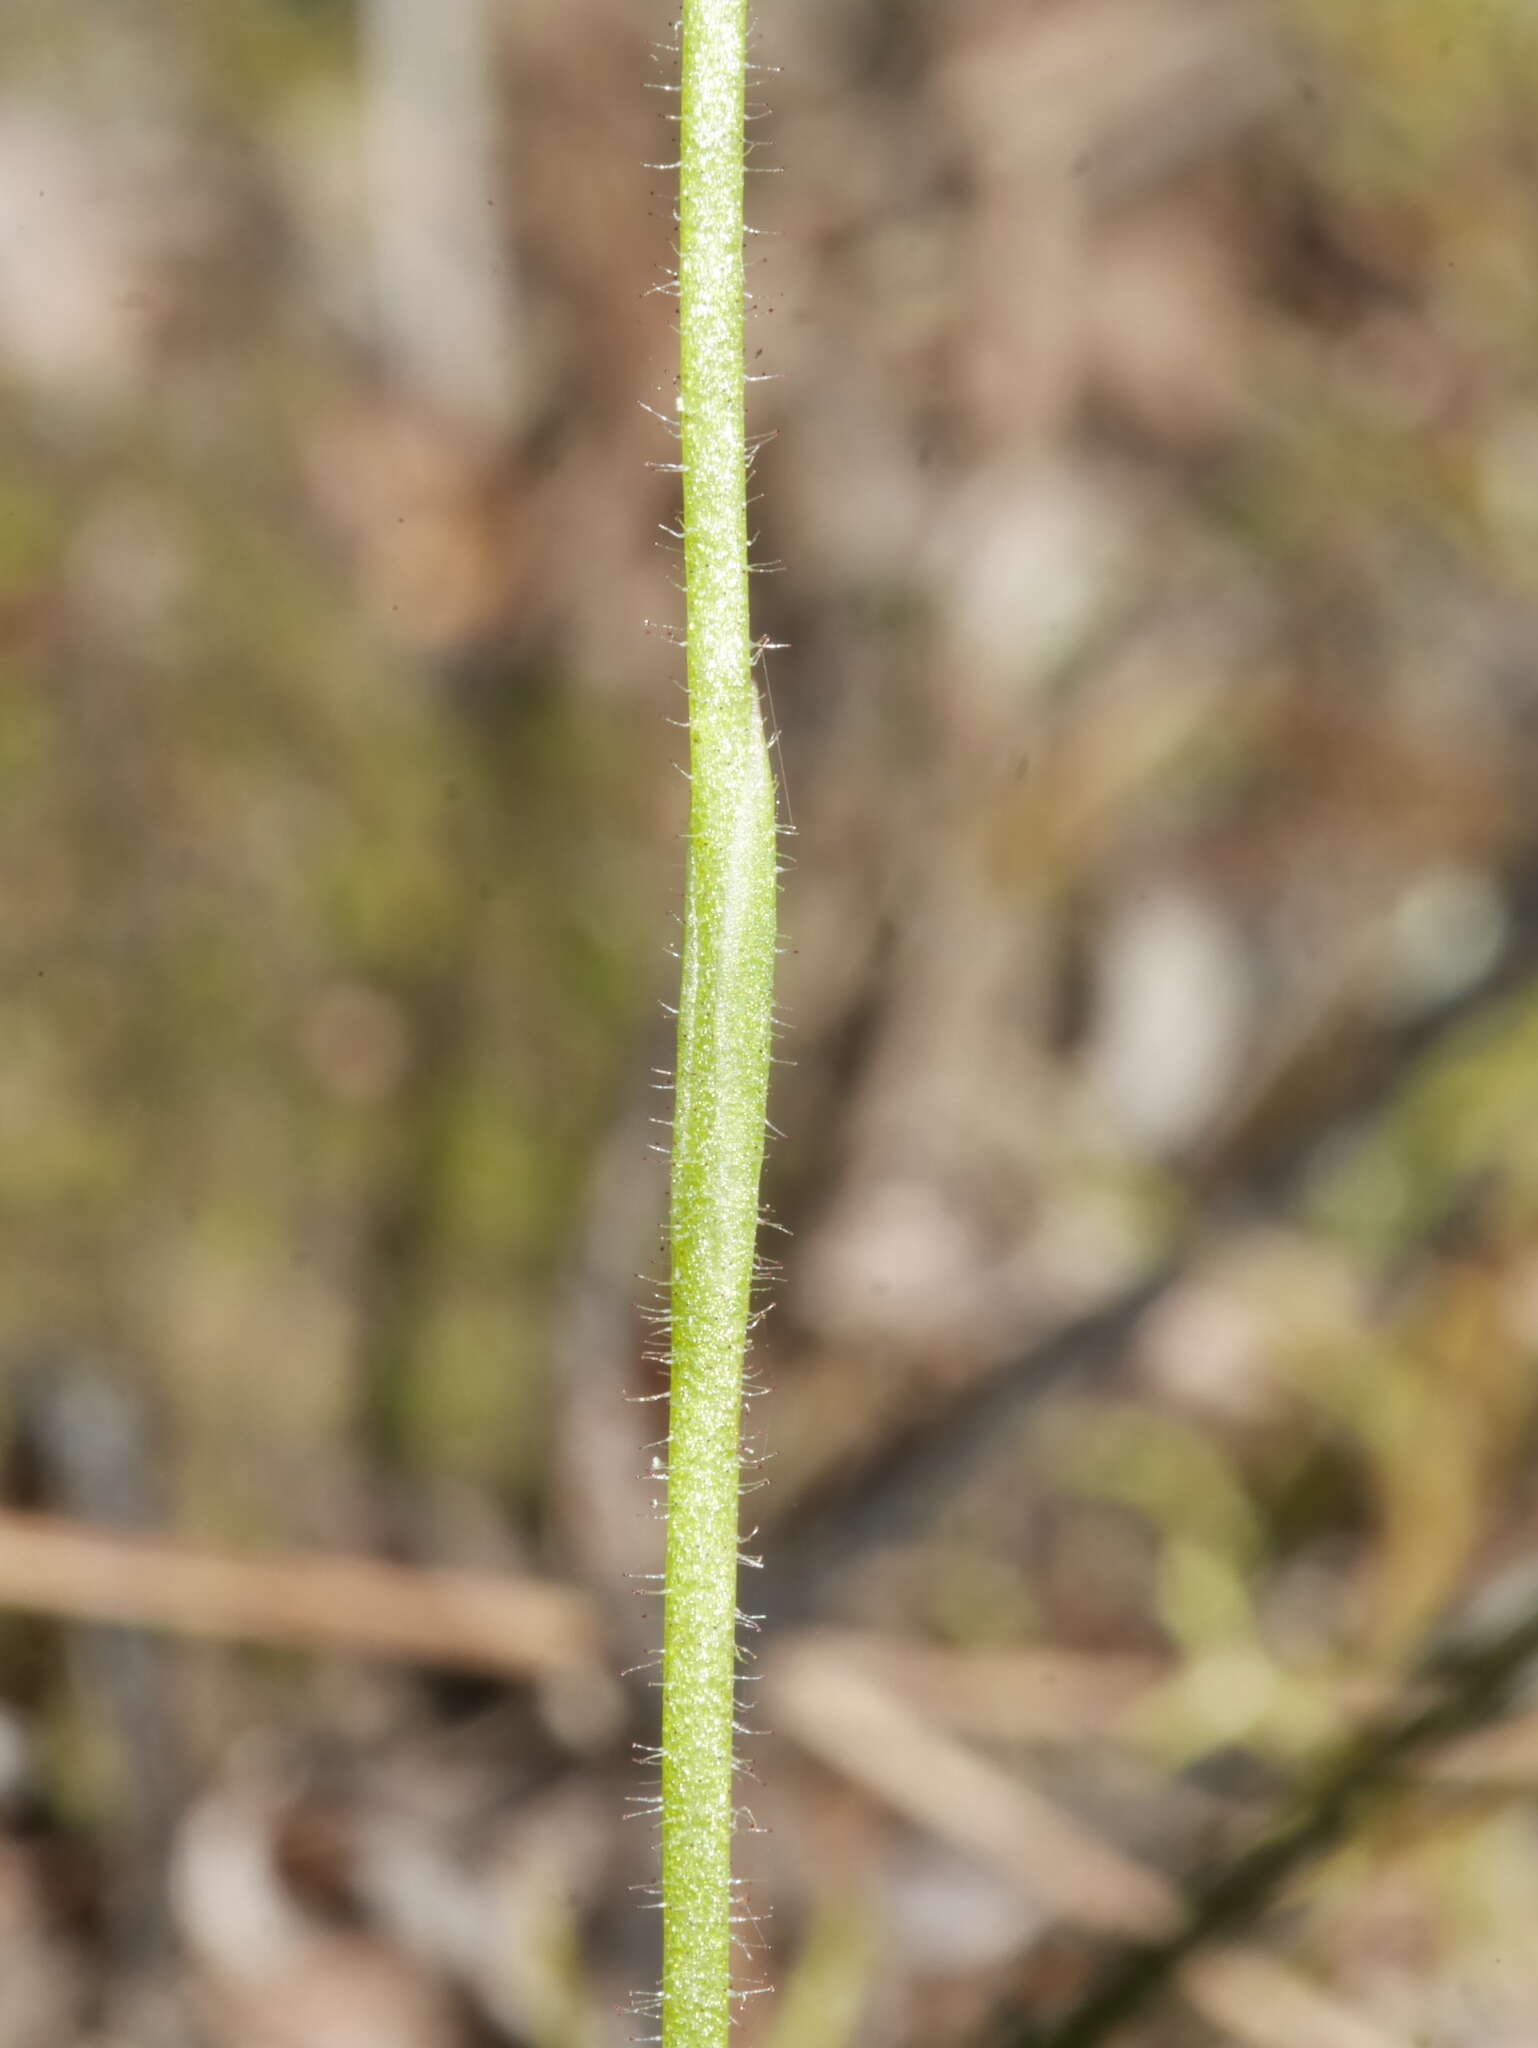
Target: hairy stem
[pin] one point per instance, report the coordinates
(723, 1044)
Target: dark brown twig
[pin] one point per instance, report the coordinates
(1469, 1685)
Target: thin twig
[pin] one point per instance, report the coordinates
(1469, 1686)
(520, 1628)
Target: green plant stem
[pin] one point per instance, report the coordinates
(723, 1044)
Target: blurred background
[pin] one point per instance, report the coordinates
(1153, 1400)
